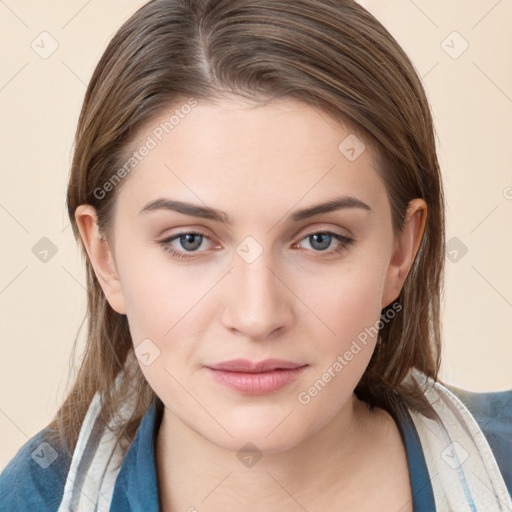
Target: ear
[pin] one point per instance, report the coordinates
(101, 256)
(405, 248)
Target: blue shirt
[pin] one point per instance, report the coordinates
(26, 485)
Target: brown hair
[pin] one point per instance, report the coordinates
(331, 54)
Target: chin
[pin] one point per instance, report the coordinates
(268, 435)
(250, 441)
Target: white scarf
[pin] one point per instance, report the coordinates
(462, 467)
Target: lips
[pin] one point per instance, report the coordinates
(247, 366)
(256, 377)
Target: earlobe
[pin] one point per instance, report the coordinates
(100, 256)
(405, 248)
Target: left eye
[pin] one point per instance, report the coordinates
(321, 240)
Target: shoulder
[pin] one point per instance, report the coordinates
(34, 479)
(493, 413)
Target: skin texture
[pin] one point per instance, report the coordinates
(259, 164)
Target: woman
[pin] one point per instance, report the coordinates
(256, 191)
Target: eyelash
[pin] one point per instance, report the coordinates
(345, 242)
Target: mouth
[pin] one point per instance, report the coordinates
(256, 378)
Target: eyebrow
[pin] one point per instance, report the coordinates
(206, 212)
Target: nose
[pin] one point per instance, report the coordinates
(257, 300)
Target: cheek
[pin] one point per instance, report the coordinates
(346, 302)
(349, 309)
(148, 305)
(156, 295)
(167, 306)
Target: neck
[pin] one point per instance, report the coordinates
(194, 472)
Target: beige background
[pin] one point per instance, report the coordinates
(42, 304)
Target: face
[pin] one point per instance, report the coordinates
(265, 277)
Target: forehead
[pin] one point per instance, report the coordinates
(247, 155)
